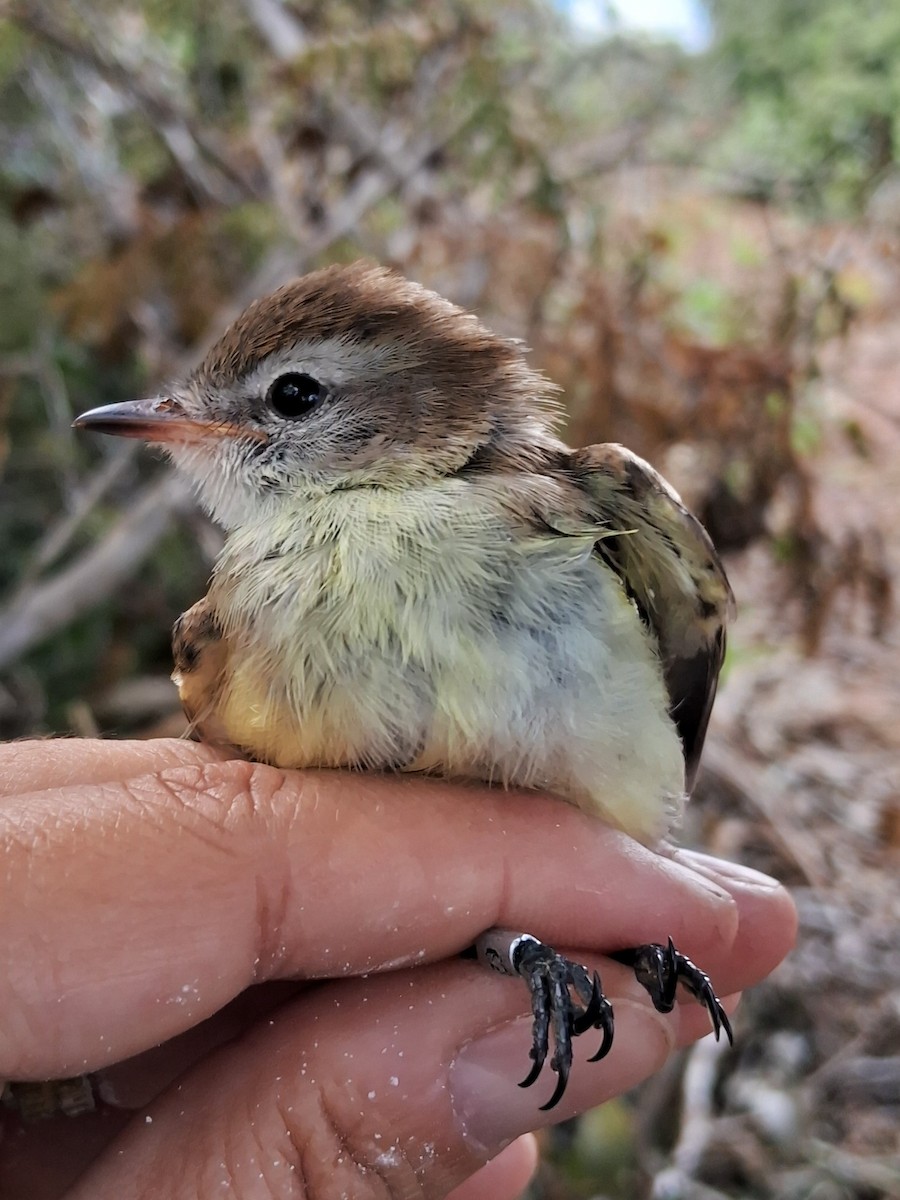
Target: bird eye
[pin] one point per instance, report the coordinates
(294, 395)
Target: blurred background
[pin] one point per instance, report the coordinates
(690, 209)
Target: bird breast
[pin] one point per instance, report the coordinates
(434, 629)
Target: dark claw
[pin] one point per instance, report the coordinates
(551, 981)
(539, 987)
(660, 969)
(670, 970)
(563, 1019)
(561, 1067)
(536, 1069)
(597, 1015)
(604, 1022)
(701, 989)
(594, 1005)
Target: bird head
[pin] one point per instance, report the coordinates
(350, 376)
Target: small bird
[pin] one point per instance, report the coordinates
(420, 576)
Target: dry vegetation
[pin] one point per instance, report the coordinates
(160, 172)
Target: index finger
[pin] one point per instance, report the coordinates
(135, 908)
(34, 766)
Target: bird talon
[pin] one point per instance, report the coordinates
(552, 980)
(532, 1074)
(660, 969)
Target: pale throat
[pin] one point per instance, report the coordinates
(325, 551)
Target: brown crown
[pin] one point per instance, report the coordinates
(364, 302)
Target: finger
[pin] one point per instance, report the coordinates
(400, 1085)
(135, 909)
(135, 1081)
(33, 766)
(42, 1160)
(767, 921)
(504, 1177)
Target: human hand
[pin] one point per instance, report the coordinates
(160, 903)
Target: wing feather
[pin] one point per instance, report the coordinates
(670, 569)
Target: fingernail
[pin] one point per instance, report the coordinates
(701, 882)
(729, 874)
(493, 1110)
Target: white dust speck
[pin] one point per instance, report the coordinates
(148, 1120)
(372, 1095)
(184, 993)
(394, 1081)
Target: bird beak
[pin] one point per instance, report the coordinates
(160, 419)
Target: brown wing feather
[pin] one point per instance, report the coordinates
(669, 567)
(200, 654)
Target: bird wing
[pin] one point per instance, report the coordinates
(670, 569)
(200, 654)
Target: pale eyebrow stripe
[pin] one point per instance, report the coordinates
(340, 359)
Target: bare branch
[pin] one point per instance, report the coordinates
(58, 538)
(40, 610)
(200, 155)
(282, 31)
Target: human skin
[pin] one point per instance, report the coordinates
(263, 965)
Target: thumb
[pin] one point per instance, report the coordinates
(398, 1085)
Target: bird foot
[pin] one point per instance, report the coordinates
(567, 1000)
(660, 969)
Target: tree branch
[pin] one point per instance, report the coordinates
(41, 609)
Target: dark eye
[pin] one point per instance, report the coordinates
(295, 395)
